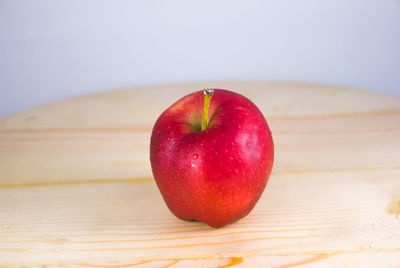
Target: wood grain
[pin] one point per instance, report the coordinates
(76, 187)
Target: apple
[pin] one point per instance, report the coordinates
(211, 155)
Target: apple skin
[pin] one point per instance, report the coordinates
(217, 175)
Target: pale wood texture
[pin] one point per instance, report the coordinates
(76, 187)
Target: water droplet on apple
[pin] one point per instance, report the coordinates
(195, 156)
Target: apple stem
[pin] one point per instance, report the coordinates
(208, 92)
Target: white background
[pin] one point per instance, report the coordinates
(50, 50)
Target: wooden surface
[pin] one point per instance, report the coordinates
(76, 188)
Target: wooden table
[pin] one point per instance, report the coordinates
(76, 188)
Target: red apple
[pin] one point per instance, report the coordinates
(211, 168)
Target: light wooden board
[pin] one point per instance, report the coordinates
(76, 187)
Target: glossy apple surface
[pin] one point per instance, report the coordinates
(214, 175)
